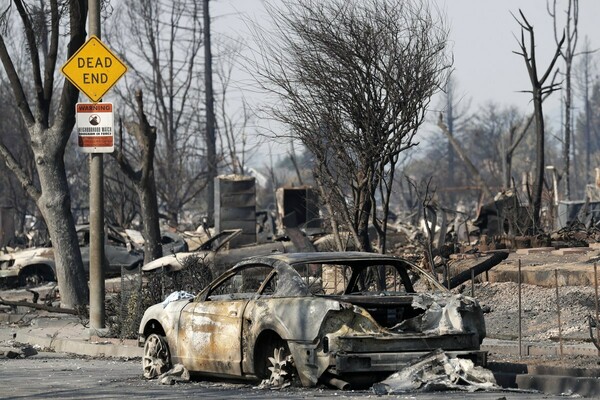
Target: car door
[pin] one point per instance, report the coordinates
(214, 330)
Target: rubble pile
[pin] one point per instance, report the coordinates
(13, 349)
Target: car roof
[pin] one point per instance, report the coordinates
(356, 258)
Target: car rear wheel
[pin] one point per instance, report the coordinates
(281, 367)
(157, 358)
(276, 366)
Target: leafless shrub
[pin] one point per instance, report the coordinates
(124, 310)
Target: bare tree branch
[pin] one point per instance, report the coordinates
(352, 81)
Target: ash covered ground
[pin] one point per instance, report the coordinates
(539, 313)
(539, 321)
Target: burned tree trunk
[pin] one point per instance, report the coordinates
(49, 134)
(143, 179)
(538, 91)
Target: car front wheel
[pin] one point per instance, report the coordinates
(35, 275)
(157, 358)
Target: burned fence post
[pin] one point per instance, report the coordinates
(560, 341)
(597, 311)
(520, 311)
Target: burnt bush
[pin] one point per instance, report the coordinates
(125, 308)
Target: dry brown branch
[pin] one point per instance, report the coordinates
(40, 307)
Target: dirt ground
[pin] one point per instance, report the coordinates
(540, 305)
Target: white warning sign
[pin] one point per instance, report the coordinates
(95, 127)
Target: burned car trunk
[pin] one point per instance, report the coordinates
(345, 319)
(409, 327)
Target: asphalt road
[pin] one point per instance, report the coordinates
(58, 376)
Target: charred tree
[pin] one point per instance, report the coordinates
(585, 121)
(143, 178)
(209, 101)
(352, 81)
(162, 42)
(570, 36)
(49, 122)
(538, 90)
(465, 159)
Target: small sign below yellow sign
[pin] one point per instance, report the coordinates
(94, 69)
(95, 126)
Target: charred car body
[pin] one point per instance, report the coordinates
(217, 253)
(340, 318)
(35, 266)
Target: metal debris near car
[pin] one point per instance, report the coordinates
(436, 371)
(344, 319)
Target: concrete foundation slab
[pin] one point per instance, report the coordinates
(571, 250)
(535, 250)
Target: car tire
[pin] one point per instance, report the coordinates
(157, 357)
(35, 276)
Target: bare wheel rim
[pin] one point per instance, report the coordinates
(34, 280)
(280, 367)
(156, 359)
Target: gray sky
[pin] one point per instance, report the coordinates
(482, 34)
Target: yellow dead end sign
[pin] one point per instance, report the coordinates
(94, 69)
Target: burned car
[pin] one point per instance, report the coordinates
(32, 267)
(217, 252)
(345, 319)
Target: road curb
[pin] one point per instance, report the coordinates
(80, 346)
(534, 349)
(68, 336)
(560, 385)
(549, 379)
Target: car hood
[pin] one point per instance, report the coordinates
(42, 252)
(175, 262)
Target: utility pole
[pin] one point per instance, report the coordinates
(97, 290)
(211, 147)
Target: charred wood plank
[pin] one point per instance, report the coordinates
(480, 268)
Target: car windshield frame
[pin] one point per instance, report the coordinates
(294, 284)
(359, 264)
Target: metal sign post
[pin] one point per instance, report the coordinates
(97, 288)
(94, 70)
